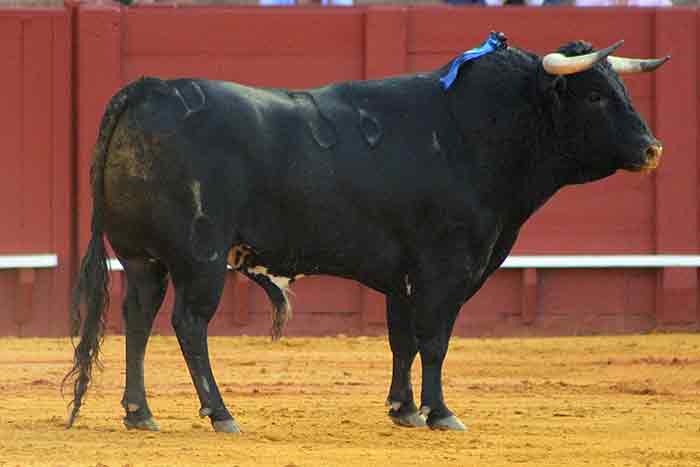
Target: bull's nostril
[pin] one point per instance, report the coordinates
(652, 157)
(653, 152)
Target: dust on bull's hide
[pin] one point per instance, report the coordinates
(204, 236)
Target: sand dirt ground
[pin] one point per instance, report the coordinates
(596, 401)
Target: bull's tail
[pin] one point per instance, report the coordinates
(282, 311)
(91, 293)
(278, 295)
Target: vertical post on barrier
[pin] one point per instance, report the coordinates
(528, 310)
(675, 118)
(98, 43)
(24, 305)
(385, 41)
(63, 189)
(98, 75)
(33, 163)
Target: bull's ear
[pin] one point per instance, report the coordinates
(553, 89)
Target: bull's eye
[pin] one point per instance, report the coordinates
(594, 97)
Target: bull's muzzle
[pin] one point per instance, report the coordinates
(652, 157)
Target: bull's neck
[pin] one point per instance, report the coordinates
(515, 165)
(533, 177)
(535, 187)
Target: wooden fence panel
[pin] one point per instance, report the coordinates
(303, 47)
(36, 189)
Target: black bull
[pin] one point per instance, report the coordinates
(414, 191)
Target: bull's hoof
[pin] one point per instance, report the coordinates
(405, 414)
(451, 423)
(225, 426)
(145, 425)
(410, 420)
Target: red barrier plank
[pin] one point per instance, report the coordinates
(98, 78)
(574, 222)
(36, 165)
(373, 308)
(339, 44)
(36, 133)
(62, 187)
(496, 305)
(229, 31)
(8, 298)
(677, 126)
(676, 188)
(11, 120)
(451, 29)
(37, 169)
(385, 41)
(529, 293)
(289, 72)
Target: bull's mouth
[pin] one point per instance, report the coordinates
(652, 159)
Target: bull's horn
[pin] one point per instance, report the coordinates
(560, 64)
(636, 65)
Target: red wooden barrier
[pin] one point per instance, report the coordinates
(36, 186)
(303, 47)
(306, 47)
(676, 122)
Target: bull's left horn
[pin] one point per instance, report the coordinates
(560, 64)
(636, 65)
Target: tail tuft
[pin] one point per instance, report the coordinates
(281, 313)
(88, 320)
(278, 294)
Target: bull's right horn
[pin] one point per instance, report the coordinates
(636, 65)
(560, 64)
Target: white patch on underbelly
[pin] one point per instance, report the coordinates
(280, 281)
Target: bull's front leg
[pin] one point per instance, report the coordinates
(404, 347)
(436, 311)
(433, 348)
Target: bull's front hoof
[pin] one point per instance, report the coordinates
(225, 426)
(145, 425)
(451, 423)
(405, 414)
(410, 420)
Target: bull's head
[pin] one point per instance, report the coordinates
(593, 111)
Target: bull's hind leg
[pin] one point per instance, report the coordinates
(404, 347)
(146, 285)
(196, 298)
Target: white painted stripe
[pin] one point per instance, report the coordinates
(114, 265)
(602, 261)
(28, 261)
(577, 261)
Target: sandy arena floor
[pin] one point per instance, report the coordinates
(597, 401)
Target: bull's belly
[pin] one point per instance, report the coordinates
(374, 267)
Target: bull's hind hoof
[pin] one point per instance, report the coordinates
(225, 426)
(451, 423)
(146, 425)
(410, 420)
